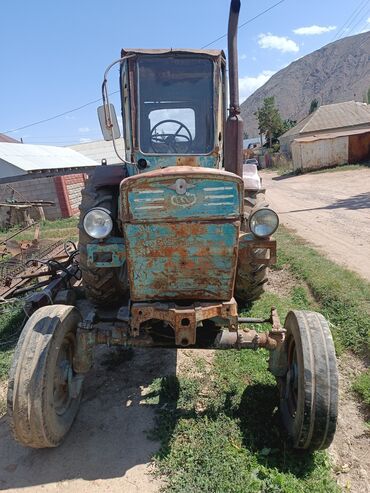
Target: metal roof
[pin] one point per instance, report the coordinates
(165, 51)
(331, 116)
(100, 149)
(332, 135)
(29, 157)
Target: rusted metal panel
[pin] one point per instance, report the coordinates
(111, 253)
(359, 147)
(184, 319)
(248, 244)
(165, 161)
(181, 194)
(192, 260)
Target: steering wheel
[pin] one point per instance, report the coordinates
(171, 142)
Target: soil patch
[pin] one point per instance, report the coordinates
(350, 448)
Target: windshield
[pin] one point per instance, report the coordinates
(176, 105)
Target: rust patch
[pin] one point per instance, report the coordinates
(184, 320)
(187, 161)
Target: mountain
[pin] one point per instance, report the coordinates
(340, 71)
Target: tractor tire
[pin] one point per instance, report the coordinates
(309, 388)
(103, 286)
(40, 403)
(251, 277)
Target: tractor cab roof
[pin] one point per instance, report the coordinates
(165, 51)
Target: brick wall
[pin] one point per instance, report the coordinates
(64, 191)
(69, 189)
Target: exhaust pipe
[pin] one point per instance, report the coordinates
(234, 122)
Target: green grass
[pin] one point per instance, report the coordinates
(286, 168)
(362, 386)
(60, 228)
(11, 319)
(232, 440)
(343, 297)
(343, 167)
(221, 432)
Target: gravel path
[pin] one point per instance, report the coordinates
(330, 210)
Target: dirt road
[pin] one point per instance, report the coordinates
(107, 448)
(330, 210)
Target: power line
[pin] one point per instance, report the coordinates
(55, 116)
(248, 21)
(353, 29)
(343, 30)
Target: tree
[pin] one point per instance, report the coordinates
(245, 135)
(269, 120)
(314, 105)
(288, 123)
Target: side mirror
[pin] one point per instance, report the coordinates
(108, 122)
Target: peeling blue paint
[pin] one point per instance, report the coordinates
(203, 199)
(185, 261)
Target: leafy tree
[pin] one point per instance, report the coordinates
(288, 123)
(314, 105)
(245, 135)
(269, 120)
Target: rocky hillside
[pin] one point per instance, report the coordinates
(339, 71)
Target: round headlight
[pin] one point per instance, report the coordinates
(98, 223)
(263, 222)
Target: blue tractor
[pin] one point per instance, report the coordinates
(172, 241)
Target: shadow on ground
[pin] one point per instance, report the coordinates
(109, 435)
(356, 202)
(259, 420)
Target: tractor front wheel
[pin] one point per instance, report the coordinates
(44, 392)
(309, 387)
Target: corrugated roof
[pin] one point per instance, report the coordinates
(100, 149)
(6, 138)
(332, 135)
(338, 115)
(331, 116)
(29, 157)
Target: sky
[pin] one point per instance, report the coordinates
(53, 53)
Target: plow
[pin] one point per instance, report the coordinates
(173, 243)
(36, 270)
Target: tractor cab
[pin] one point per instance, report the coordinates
(173, 108)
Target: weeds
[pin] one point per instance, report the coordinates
(233, 442)
(362, 386)
(343, 297)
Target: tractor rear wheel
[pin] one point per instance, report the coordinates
(251, 277)
(108, 285)
(309, 388)
(44, 392)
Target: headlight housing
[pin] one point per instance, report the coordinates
(264, 222)
(98, 223)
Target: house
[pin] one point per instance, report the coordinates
(343, 118)
(49, 173)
